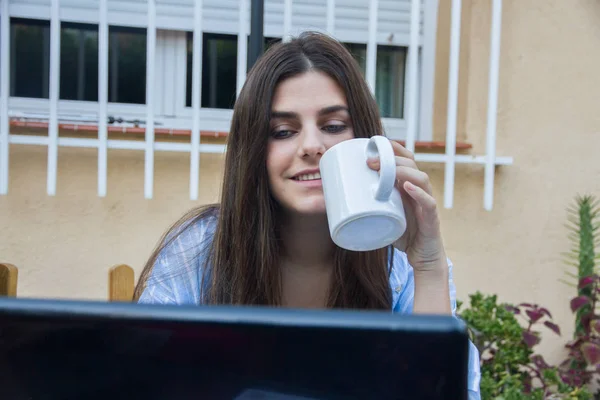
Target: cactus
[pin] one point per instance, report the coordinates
(584, 225)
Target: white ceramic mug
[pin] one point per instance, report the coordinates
(364, 208)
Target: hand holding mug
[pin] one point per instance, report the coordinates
(422, 240)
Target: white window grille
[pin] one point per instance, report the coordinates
(408, 23)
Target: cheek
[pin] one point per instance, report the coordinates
(275, 161)
(275, 168)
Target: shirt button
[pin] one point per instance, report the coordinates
(398, 289)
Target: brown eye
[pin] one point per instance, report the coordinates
(282, 134)
(334, 128)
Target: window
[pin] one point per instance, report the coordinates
(79, 62)
(127, 65)
(30, 58)
(389, 88)
(219, 69)
(30, 61)
(389, 85)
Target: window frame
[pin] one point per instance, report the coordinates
(178, 116)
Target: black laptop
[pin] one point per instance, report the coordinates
(106, 351)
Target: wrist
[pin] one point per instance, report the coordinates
(432, 289)
(434, 263)
(436, 271)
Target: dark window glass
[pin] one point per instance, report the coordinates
(30, 61)
(219, 69)
(30, 58)
(127, 65)
(79, 62)
(389, 88)
(389, 85)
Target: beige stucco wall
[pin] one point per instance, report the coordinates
(548, 120)
(64, 245)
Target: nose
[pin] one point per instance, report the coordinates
(312, 144)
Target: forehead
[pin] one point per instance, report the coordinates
(308, 91)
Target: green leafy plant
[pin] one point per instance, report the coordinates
(506, 335)
(510, 369)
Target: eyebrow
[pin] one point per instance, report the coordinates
(323, 111)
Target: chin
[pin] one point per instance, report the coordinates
(312, 208)
(317, 208)
(312, 211)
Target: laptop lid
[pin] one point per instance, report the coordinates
(60, 349)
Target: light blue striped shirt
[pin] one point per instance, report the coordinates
(176, 279)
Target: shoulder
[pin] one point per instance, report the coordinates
(187, 242)
(177, 271)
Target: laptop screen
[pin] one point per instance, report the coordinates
(156, 352)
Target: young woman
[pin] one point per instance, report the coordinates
(267, 242)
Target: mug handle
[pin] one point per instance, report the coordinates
(380, 146)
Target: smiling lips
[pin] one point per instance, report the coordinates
(310, 179)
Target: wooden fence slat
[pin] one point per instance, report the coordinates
(121, 282)
(8, 280)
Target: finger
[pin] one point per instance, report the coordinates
(402, 151)
(400, 161)
(414, 176)
(429, 219)
(399, 151)
(406, 162)
(374, 163)
(424, 199)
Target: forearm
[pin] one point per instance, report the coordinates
(432, 292)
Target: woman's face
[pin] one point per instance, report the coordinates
(309, 115)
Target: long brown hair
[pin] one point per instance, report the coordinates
(242, 262)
